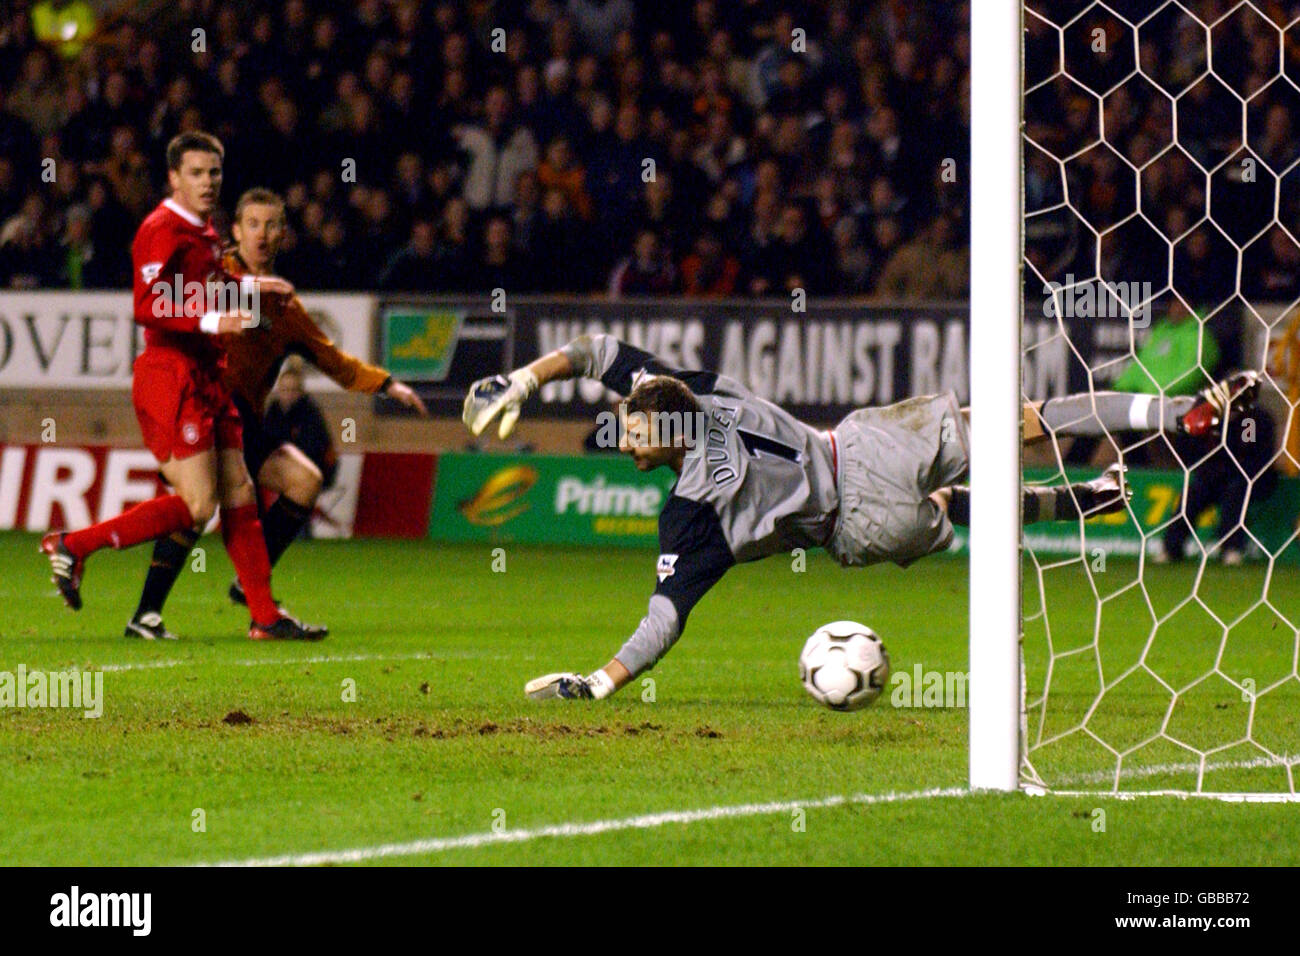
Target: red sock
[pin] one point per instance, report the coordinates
(144, 522)
(242, 531)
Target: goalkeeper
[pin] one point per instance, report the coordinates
(754, 481)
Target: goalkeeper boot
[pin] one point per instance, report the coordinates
(1233, 395)
(148, 626)
(286, 628)
(67, 568)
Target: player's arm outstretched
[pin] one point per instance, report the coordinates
(693, 550)
(693, 556)
(616, 364)
(503, 395)
(346, 369)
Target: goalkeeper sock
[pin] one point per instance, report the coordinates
(169, 554)
(1038, 504)
(1101, 413)
(959, 505)
(281, 524)
(1047, 504)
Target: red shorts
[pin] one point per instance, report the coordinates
(181, 407)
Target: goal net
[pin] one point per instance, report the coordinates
(1161, 178)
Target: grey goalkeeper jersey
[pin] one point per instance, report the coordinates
(758, 483)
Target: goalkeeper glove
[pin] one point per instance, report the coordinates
(595, 686)
(498, 395)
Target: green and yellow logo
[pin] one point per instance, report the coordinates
(419, 343)
(499, 499)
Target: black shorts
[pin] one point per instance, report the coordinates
(258, 446)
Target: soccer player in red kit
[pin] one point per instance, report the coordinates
(253, 362)
(185, 411)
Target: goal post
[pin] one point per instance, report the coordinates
(1134, 203)
(995, 323)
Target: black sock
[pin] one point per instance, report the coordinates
(1039, 504)
(281, 524)
(959, 505)
(169, 554)
(1058, 504)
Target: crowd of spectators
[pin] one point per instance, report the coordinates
(1102, 136)
(710, 148)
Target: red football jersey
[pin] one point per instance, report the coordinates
(174, 253)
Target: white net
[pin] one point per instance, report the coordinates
(1162, 209)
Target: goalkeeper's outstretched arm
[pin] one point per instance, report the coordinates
(616, 364)
(654, 636)
(657, 632)
(693, 556)
(504, 395)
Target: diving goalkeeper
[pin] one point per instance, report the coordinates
(753, 481)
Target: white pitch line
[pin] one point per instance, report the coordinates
(561, 830)
(1129, 795)
(1159, 770)
(140, 666)
(648, 821)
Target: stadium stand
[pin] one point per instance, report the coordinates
(517, 159)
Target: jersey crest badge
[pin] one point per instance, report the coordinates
(666, 567)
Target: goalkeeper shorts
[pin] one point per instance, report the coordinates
(890, 460)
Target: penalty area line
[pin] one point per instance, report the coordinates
(568, 830)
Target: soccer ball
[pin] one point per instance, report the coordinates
(844, 665)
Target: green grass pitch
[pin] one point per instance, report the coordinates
(440, 743)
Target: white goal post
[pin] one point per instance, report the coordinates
(1179, 681)
(995, 323)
